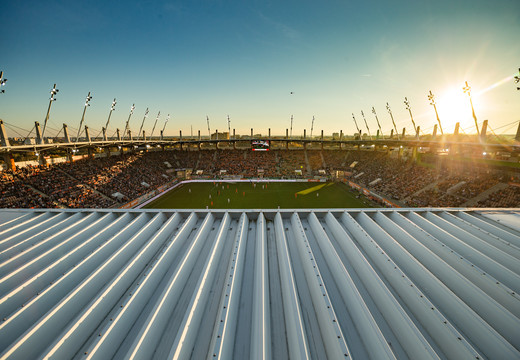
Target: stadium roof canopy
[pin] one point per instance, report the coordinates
(376, 283)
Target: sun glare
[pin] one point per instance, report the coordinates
(453, 106)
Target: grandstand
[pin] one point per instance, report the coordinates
(387, 177)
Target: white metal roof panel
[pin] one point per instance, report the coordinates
(375, 283)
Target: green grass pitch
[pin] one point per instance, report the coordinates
(246, 195)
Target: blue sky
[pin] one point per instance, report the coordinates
(190, 59)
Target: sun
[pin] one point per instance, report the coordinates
(453, 106)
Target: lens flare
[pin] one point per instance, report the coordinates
(453, 107)
(495, 85)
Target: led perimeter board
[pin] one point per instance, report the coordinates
(260, 145)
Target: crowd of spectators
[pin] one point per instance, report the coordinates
(261, 163)
(434, 198)
(206, 162)
(87, 183)
(231, 161)
(335, 160)
(476, 185)
(112, 181)
(291, 164)
(410, 184)
(390, 177)
(14, 193)
(64, 190)
(186, 159)
(508, 197)
(315, 161)
(130, 175)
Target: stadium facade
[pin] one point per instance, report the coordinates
(366, 283)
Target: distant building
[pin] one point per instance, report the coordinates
(221, 136)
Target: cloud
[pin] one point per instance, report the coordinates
(285, 30)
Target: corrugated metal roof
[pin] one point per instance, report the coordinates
(375, 283)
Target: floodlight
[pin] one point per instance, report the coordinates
(467, 89)
(53, 92)
(431, 97)
(2, 81)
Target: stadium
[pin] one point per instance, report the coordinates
(298, 232)
(195, 249)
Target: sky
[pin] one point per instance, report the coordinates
(260, 62)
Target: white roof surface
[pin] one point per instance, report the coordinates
(375, 283)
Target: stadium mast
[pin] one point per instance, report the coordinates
(366, 124)
(312, 126)
(378, 125)
(164, 127)
(290, 135)
(155, 123)
(165, 122)
(431, 97)
(355, 122)
(112, 108)
(128, 121)
(467, 90)
(87, 101)
(228, 126)
(407, 103)
(142, 123)
(392, 117)
(54, 91)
